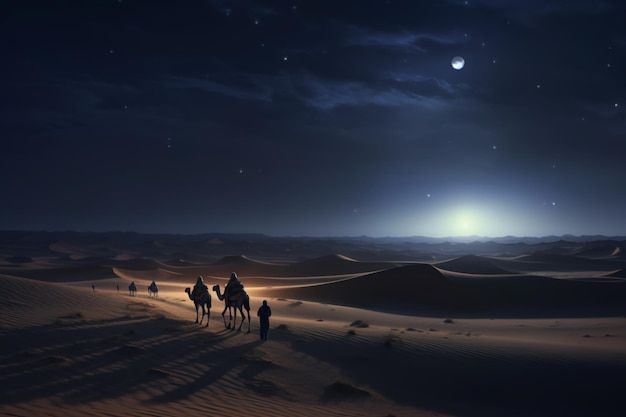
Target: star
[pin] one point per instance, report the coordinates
(240, 171)
(538, 86)
(483, 44)
(494, 147)
(285, 58)
(608, 65)
(111, 51)
(256, 21)
(553, 166)
(493, 61)
(553, 203)
(616, 105)
(428, 195)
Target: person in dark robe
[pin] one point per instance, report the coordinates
(264, 314)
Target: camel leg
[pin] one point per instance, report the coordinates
(235, 322)
(224, 317)
(203, 313)
(208, 315)
(196, 313)
(243, 318)
(248, 310)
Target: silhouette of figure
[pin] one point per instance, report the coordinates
(153, 290)
(93, 288)
(132, 288)
(118, 287)
(264, 314)
(200, 289)
(233, 286)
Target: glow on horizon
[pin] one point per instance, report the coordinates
(475, 219)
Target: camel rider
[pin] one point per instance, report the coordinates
(200, 289)
(153, 286)
(233, 287)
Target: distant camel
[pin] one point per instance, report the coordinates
(153, 290)
(132, 289)
(239, 301)
(202, 301)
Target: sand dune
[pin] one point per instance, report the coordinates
(65, 274)
(551, 262)
(107, 354)
(619, 274)
(421, 288)
(26, 302)
(240, 261)
(393, 289)
(76, 353)
(177, 262)
(78, 252)
(601, 249)
(471, 264)
(334, 264)
(475, 343)
(158, 274)
(331, 265)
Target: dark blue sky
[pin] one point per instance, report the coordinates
(314, 117)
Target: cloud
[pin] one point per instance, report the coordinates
(326, 95)
(252, 90)
(404, 39)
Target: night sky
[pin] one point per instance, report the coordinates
(314, 117)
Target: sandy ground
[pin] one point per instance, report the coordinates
(68, 351)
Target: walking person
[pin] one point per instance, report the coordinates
(264, 314)
(93, 288)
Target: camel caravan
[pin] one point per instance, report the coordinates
(235, 299)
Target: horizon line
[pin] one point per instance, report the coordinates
(303, 236)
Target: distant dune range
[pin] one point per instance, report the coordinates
(541, 261)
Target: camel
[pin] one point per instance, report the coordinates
(202, 301)
(153, 290)
(238, 302)
(132, 289)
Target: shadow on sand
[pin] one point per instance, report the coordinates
(81, 361)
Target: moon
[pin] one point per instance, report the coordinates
(458, 62)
